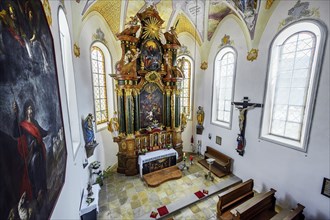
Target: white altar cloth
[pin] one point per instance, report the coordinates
(155, 155)
(85, 208)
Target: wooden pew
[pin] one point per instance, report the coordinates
(234, 197)
(259, 207)
(294, 214)
(222, 163)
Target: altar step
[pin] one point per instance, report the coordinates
(188, 200)
(160, 176)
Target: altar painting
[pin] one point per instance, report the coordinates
(159, 164)
(151, 55)
(151, 105)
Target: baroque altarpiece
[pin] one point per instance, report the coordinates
(148, 84)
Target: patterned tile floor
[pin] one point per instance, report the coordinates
(128, 197)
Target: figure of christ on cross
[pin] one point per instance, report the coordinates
(243, 107)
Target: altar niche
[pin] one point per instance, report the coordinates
(148, 87)
(243, 107)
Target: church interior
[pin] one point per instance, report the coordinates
(165, 109)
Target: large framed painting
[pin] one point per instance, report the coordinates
(33, 152)
(151, 105)
(151, 55)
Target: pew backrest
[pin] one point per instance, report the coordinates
(234, 196)
(262, 204)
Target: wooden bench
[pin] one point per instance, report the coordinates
(221, 165)
(259, 207)
(294, 214)
(233, 197)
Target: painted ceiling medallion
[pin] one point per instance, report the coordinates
(183, 50)
(252, 54)
(151, 28)
(298, 11)
(99, 35)
(226, 41)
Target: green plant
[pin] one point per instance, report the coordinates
(99, 180)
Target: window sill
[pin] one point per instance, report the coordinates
(221, 124)
(101, 127)
(296, 145)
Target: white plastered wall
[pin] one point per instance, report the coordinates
(68, 203)
(297, 176)
(106, 151)
(193, 48)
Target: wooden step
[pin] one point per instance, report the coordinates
(160, 176)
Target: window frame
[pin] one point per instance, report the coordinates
(191, 90)
(319, 30)
(69, 81)
(103, 124)
(223, 50)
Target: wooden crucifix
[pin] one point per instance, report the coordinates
(243, 107)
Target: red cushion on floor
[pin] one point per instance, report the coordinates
(199, 194)
(162, 210)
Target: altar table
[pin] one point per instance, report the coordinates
(89, 211)
(155, 155)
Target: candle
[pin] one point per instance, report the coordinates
(184, 154)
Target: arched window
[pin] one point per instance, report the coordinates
(223, 87)
(294, 67)
(99, 85)
(69, 79)
(185, 63)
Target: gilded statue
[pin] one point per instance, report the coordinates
(113, 125)
(200, 115)
(183, 120)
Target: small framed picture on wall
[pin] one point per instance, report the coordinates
(326, 187)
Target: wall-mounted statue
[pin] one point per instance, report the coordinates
(200, 120)
(243, 107)
(90, 142)
(89, 131)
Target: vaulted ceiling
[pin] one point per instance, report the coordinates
(199, 18)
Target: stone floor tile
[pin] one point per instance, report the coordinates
(129, 197)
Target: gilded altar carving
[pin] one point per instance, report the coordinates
(147, 83)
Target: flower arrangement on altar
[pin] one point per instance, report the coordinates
(95, 165)
(184, 156)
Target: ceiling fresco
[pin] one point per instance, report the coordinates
(217, 12)
(185, 25)
(199, 18)
(109, 10)
(195, 11)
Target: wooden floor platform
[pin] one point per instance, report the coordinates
(158, 177)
